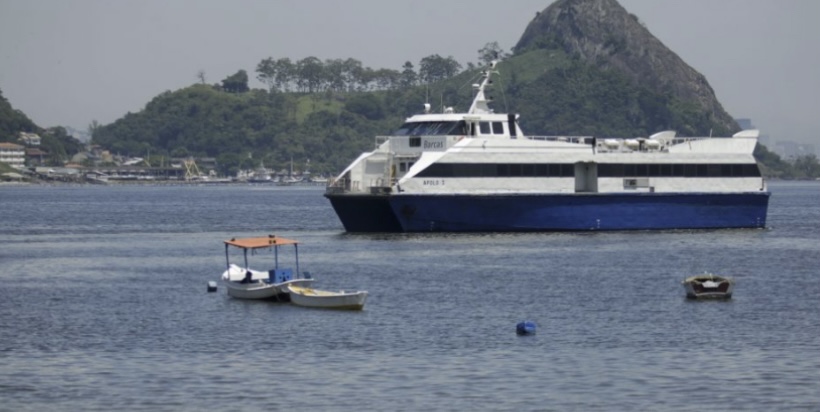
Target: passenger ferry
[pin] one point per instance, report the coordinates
(478, 172)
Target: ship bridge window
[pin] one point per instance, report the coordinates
(498, 128)
(484, 127)
(432, 129)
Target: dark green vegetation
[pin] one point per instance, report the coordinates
(574, 98)
(13, 121)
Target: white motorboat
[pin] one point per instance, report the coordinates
(260, 175)
(708, 286)
(242, 282)
(315, 298)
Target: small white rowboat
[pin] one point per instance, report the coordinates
(315, 298)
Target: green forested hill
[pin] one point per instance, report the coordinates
(554, 94)
(244, 129)
(12, 121)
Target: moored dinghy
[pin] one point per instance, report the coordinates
(247, 283)
(708, 286)
(315, 298)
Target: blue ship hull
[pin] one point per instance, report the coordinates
(559, 212)
(580, 212)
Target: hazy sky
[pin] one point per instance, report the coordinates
(68, 62)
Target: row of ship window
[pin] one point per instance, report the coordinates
(604, 170)
(448, 128)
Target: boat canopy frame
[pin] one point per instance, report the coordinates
(253, 243)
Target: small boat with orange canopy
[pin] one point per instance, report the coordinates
(244, 282)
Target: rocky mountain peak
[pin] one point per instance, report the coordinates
(603, 33)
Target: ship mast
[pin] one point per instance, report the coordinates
(480, 102)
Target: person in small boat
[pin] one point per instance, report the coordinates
(248, 277)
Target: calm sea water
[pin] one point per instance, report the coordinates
(103, 306)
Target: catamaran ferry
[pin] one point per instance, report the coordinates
(478, 172)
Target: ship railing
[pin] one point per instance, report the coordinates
(335, 186)
(342, 185)
(588, 139)
(569, 139)
(378, 182)
(380, 185)
(612, 144)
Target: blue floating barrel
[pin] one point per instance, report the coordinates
(211, 286)
(525, 328)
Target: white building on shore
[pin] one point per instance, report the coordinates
(13, 155)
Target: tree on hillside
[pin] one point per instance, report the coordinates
(335, 72)
(266, 73)
(236, 83)
(367, 78)
(490, 51)
(436, 68)
(387, 79)
(285, 71)
(408, 75)
(310, 74)
(353, 72)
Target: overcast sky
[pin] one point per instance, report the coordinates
(68, 62)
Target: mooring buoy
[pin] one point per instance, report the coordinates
(525, 328)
